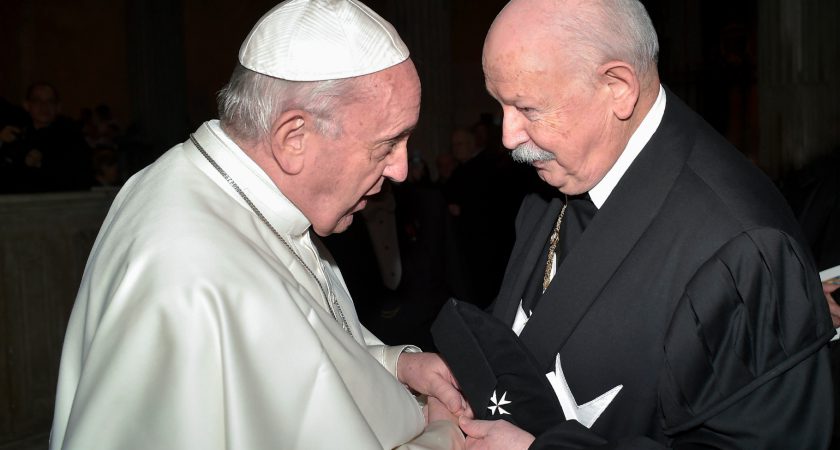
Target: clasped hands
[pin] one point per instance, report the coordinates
(428, 374)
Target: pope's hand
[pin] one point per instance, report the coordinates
(495, 434)
(427, 374)
(435, 410)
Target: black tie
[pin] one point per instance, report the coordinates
(579, 213)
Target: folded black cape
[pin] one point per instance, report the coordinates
(498, 376)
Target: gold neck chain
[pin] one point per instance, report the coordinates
(552, 246)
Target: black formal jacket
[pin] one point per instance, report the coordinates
(692, 289)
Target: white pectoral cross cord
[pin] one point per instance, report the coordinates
(586, 413)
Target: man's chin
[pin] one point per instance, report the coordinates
(563, 184)
(343, 224)
(546, 178)
(345, 221)
(552, 178)
(545, 172)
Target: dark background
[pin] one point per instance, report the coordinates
(764, 72)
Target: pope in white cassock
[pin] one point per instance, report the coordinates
(209, 316)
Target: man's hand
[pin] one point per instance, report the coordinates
(833, 307)
(427, 374)
(495, 434)
(435, 410)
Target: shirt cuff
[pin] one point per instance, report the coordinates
(392, 356)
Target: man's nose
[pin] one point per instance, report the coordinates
(397, 169)
(513, 130)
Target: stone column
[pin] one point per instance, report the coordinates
(681, 60)
(425, 26)
(799, 81)
(157, 78)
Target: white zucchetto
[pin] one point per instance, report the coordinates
(317, 40)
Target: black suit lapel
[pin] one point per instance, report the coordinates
(609, 238)
(525, 255)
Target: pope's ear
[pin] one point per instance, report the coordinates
(288, 140)
(623, 83)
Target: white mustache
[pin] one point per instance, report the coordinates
(528, 153)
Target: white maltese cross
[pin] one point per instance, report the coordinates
(498, 404)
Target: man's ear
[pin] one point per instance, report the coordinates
(288, 140)
(623, 83)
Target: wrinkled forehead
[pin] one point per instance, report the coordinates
(399, 83)
(517, 59)
(521, 35)
(392, 96)
(400, 77)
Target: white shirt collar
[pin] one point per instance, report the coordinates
(637, 142)
(283, 215)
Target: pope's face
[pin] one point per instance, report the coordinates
(372, 146)
(550, 103)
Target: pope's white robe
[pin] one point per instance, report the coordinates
(196, 328)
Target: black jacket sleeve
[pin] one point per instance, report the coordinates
(746, 362)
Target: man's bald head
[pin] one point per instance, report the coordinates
(580, 33)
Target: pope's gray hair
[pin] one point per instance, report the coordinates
(251, 102)
(609, 30)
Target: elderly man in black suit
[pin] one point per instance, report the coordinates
(664, 287)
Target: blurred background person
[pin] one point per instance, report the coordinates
(106, 168)
(445, 163)
(483, 195)
(49, 152)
